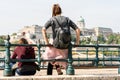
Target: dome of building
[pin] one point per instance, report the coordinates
(81, 19)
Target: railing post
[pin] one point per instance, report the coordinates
(119, 52)
(39, 55)
(119, 61)
(87, 55)
(7, 70)
(96, 59)
(103, 57)
(70, 69)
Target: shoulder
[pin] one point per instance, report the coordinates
(48, 23)
(50, 20)
(17, 47)
(66, 18)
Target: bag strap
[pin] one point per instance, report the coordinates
(58, 22)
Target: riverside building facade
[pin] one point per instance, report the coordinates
(34, 33)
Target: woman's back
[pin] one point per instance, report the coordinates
(24, 53)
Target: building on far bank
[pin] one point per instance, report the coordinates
(34, 32)
(94, 32)
(103, 30)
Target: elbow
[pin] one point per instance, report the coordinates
(43, 30)
(78, 30)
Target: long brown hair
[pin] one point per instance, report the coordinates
(56, 10)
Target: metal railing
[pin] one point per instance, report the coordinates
(96, 60)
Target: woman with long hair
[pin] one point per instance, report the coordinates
(52, 52)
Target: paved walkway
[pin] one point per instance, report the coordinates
(80, 74)
(105, 71)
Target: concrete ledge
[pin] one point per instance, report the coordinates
(80, 74)
(64, 77)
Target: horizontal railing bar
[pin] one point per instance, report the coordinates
(88, 45)
(83, 59)
(93, 59)
(98, 45)
(23, 60)
(2, 44)
(42, 45)
(109, 59)
(33, 60)
(2, 59)
(54, 60)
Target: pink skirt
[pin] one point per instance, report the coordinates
(54, 53)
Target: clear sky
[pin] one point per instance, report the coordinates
(15, 14)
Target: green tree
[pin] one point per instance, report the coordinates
(2, 38)
(117, 38)
(101, 39)
(1, 41)
(73, 38)
(113, 39)
(13, 34)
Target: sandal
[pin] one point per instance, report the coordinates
(60, 73)
(58, 70)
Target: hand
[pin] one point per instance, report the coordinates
(49, 45)
(77, 43)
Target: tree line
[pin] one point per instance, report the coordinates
(101, 39)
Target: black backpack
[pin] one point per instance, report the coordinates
(63, 37)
